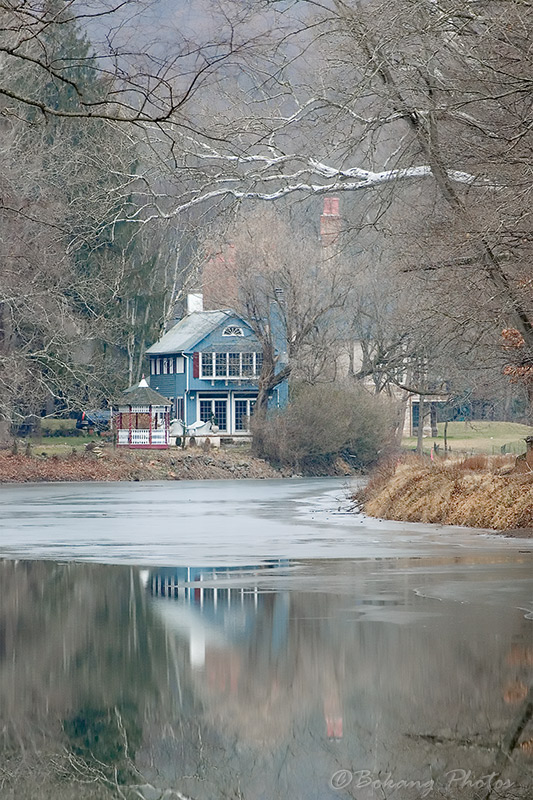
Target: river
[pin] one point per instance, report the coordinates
(257, 639)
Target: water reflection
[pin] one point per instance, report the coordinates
(265, 681)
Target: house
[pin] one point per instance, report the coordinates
(209, 364)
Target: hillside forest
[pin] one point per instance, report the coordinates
(153, 148)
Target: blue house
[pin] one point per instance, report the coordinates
(209, 365)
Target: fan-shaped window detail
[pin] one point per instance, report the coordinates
(233, 330)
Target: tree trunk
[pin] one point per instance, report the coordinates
(420, 432)
(268, 381)
(402, 410)
(433, 417)
(6, 347)
(529, 388)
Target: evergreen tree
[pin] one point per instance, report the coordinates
(73, 299)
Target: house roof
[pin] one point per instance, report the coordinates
(142, 395)
(189, 331)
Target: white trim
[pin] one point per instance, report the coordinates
(233, 330)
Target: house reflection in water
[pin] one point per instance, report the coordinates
(241, 638)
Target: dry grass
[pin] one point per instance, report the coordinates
(469, 492)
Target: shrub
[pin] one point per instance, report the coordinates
(323, 422)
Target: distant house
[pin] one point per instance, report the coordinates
(209, 365)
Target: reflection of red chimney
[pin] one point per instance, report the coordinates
(334, 727)
(333, 712)
(330, 222)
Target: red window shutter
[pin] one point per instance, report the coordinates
(196, 365)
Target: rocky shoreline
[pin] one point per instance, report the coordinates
(105, 463)
(100, 461)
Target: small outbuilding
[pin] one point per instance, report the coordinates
(143, 418)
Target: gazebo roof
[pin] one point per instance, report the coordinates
(142, 395)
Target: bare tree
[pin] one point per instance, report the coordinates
(290, 294)
(420, 104)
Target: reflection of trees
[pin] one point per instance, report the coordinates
(75, 675)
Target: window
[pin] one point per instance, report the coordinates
(221, 365)
(206, 360)
(234, 365)
(243, 412)
(233, 330)
(206, 410)
(415, 411)
(171, 365)
(247, 364)
(152, 366)
(216, 409)
(180, 364)
(165, 366)
(230, 365)
(220, 412)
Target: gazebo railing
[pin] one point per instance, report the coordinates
(142, 437)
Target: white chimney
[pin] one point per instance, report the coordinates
(195, 302)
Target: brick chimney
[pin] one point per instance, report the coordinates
(219, 280)
(330, 222)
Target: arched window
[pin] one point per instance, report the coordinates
(233, 330)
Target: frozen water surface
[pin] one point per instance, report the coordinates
(256, 640)
(211, 522)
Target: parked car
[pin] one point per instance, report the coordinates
(98, 420)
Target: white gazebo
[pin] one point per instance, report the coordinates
(143, 418)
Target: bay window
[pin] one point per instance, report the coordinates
(230, 365)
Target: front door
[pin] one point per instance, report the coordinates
(243, 411)
(216, 408)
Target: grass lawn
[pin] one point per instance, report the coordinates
(52, 443)
(59, 445)
(477, 437)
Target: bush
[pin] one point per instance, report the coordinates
(323, 422)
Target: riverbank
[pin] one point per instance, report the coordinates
(477, 492)
(103, 462)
